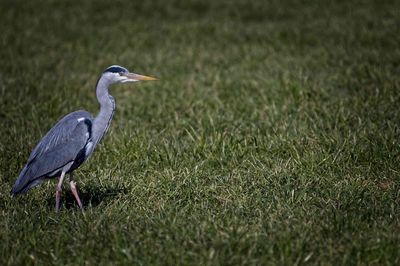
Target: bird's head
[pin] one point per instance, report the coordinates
(118, 74)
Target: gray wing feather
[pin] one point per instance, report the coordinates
(58, 147)
(59, 133)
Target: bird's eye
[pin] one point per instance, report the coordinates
(120, 73)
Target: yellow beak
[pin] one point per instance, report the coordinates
(138, 77)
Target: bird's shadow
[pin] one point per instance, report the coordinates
(90, 196)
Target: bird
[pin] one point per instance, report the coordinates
(72, 140)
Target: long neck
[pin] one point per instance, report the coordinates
(107, 107)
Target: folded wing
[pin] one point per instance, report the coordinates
(64, 144)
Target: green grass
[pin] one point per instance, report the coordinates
(272, 136)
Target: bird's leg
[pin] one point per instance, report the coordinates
(75, 192)
(58, 190)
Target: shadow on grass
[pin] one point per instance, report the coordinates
(91, 196)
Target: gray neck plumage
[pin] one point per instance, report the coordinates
(107, 108)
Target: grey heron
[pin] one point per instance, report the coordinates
(73, 139)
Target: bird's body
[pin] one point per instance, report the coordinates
(73, 139)
(69, 141)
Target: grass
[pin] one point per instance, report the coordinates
(272, 136)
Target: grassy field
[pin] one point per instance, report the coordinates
(272, 136)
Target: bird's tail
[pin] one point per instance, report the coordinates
(20, 183)
(28, 178)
